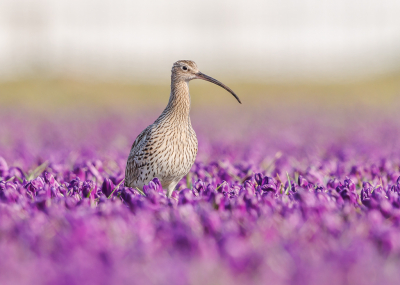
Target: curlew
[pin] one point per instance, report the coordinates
(167, 148)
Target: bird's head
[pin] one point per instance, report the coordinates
(186, 70)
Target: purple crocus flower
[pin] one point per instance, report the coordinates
(107, 187)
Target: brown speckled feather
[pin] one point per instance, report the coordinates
(136, 159)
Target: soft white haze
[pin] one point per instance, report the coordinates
(139, 40)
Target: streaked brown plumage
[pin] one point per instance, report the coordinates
(167, 148)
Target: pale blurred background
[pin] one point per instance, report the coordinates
(80, 72)
(73, 51)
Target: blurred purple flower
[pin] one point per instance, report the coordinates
(107, 187)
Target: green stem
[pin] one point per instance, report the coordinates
(290, 184)
(37, 171)
(223, 182)
(109, 197)
(140, 191)
(88, 195)
(11, 179)
(188, 181)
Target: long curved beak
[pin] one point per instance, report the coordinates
(200, 75)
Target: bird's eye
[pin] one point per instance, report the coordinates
(184, 68)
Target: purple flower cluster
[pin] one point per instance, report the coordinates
(249, 213)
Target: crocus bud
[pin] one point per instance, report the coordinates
(107, 187)
(302, 182)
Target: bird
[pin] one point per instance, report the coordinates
(167, 148)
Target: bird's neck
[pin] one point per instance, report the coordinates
(178, 106)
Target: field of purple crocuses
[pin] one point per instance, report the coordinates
(276, 196)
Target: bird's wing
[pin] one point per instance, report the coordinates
(138, 157)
